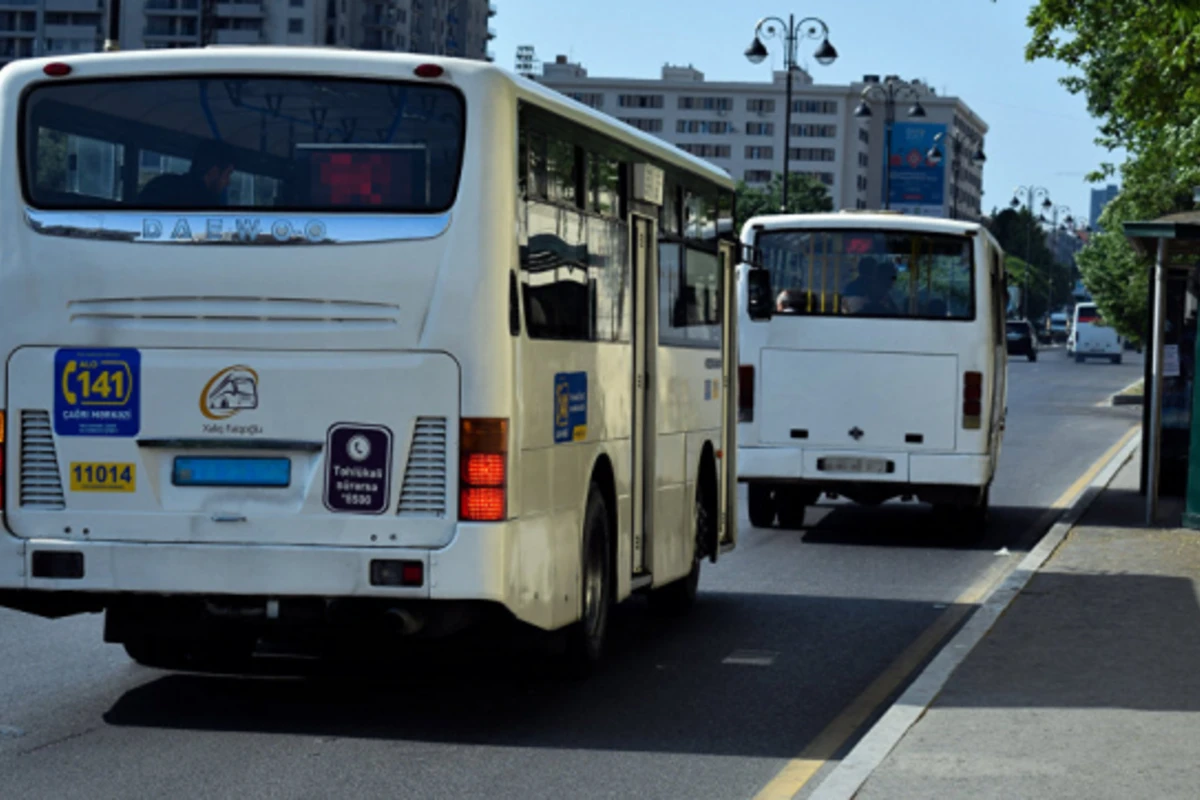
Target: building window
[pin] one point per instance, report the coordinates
(812, 154)
(863, 160)
(711, 127)
(644, 124)
(707, 150)
(706, 103)
(295, 26)
(758, 175)
(640, 101)
(814, 107)
(592, 99)
(862, 183)
(864, 136)
(760, 128)
(824, 177)
(760, 105)
(758, 153)
(815, 131)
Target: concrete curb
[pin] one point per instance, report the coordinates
(848, 777)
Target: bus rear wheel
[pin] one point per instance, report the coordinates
(586, 638)
(761, 502)
(792, 505)
(679, 596)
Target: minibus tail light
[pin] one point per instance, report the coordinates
(972, 400)
(428, 71)
(745, 393)
(483, 470)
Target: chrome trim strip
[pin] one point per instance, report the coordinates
(265, 229)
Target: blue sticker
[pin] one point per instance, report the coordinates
(708, 389)
(570, 407)
(97, 392)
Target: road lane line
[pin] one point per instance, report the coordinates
(796, 774)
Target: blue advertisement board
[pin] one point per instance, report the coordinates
(918, 185)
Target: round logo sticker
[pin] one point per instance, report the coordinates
(358, 447)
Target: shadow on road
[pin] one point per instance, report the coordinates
(914, 525)
(666, 686)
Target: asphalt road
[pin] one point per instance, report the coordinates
(789, 630)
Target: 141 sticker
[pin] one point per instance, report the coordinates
(358, 468)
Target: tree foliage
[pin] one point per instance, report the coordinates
(1137, 63)
(1031, 263)
(806, 195)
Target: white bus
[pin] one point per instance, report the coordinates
(872, 363)
(1091, 337)
(304, 339)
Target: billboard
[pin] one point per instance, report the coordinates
(918, 186)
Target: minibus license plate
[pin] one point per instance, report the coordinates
(873, 466)
(217, 471)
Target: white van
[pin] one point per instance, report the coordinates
(872, 362)
(1092, 337)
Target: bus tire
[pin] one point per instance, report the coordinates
(968, 522)
(792, 506)
(1078, 358)
(1033, 355)
(1116, 359)
(761, 503)
(233, 655)
(586, 638)
(678, 596)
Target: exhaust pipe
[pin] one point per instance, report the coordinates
(406, 622)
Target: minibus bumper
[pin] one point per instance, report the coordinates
(788, 464)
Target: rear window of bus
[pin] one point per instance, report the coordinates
(242, 142)
(869, 273)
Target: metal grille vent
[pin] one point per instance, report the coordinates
(424, 490)
(41, 485)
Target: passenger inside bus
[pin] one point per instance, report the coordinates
(870, 292)
(202, 185)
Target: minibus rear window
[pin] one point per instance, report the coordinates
(869, 273)
(243, 142)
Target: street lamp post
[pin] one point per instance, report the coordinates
(887, 93)
(1068, 221)
(1032, 193)
(957, 144)
(791, 32)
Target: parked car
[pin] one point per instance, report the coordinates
(1021, 339)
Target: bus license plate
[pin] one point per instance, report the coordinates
(232, 471)
(872, 466)
(103, 476)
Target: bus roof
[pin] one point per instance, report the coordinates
(865, 219)
(352, 63)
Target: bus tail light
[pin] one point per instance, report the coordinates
(972, 400)
(483, 470)
(745, 393)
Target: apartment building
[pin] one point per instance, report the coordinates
(459, 28)
(739, 126)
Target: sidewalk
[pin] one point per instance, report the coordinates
(1087, 687)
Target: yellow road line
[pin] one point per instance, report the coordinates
(800, 770)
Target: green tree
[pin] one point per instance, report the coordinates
(1137, 63)
(806, 195)
(1049, 281)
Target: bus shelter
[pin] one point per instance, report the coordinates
(1170, 443)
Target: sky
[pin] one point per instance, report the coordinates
(1039, 134)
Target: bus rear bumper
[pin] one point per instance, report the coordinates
(787, 464)
(472, 567)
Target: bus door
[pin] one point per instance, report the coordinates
(727, 464)
(645, 346)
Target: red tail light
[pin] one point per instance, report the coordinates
(745, 393)
(483, 470)
(972, 400)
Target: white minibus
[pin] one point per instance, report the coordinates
(1091, 337)
(872, 360)
(316, 340)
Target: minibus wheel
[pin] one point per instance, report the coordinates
(792, 503)
(761, 505)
